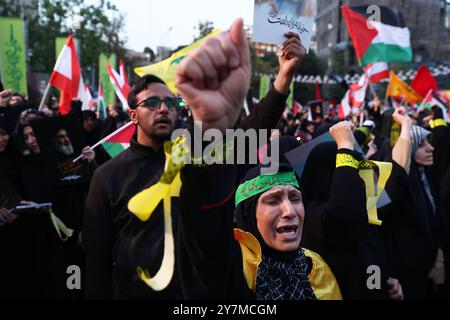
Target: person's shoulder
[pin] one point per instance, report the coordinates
(322, 279)
(115, 165)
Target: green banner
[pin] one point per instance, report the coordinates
(264, 86)
(13, 66)
(59, 44)
(291, 96)
(61, 41)
(109, 94)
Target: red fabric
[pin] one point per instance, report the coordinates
(123, 136)
(318, 93)
(424, 81)
(377, 77)
(68, 87)
(361, 35)
(65, 103)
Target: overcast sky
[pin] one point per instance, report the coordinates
(171, 23)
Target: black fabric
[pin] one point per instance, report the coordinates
(10, 286)
(336, 223)
(50, 256)
(116, 242)
(278, 280)
(209, 259)
(412, 233)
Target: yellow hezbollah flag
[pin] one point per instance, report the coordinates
(399, 89)
(166, 68)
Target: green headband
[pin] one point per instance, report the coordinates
(263, 183)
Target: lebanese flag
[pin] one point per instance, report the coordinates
(424, 81)
(119, 140)
(66, 77)
(345, 109)
(87, 97)
(120, 83)
(377, 72)
(388, 40)
(358, 91)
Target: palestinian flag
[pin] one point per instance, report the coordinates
(388, 40)
(118, 141)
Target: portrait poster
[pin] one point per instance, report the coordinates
(316, 109)
(60, 140)
(273, 18)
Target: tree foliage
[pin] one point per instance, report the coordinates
(204, 28)
(96, 26)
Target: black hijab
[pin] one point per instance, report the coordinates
(281, 275)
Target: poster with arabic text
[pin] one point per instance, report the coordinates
(273, 18)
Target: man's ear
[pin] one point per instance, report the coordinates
(133, 115)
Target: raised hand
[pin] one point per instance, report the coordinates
(401, 117)
(214, 79)
(289, 57)
(342, 134)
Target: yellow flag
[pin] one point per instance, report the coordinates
(399, 89)
(166, 69)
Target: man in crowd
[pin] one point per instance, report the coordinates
(115, 241)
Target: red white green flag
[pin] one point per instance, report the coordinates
(387, 40)
(118, 141)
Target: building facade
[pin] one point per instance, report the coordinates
(428, 21)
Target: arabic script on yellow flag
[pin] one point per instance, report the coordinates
(166, 69)
(399, 89)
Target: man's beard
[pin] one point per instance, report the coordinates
(66, 150)
(161, 136)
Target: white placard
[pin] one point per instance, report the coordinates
(273, 18)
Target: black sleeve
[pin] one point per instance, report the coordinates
(342, 220)
(441, 144)
(98, 241)
(209, 259)
(267, 113)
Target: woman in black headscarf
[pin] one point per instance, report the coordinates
(263, 258)
(414, 228)
(275, 218)
(337, 224)
(10, 285)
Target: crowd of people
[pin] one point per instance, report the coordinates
(239, 233)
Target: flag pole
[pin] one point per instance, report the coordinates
(45, 96)
(104, 139)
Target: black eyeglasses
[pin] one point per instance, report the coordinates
(154, 103)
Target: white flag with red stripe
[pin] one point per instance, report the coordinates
(120, 83)
(345, 109)
(358, 91)
(66, 77)
(377, 72)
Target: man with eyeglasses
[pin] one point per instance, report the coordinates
(115, 241)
